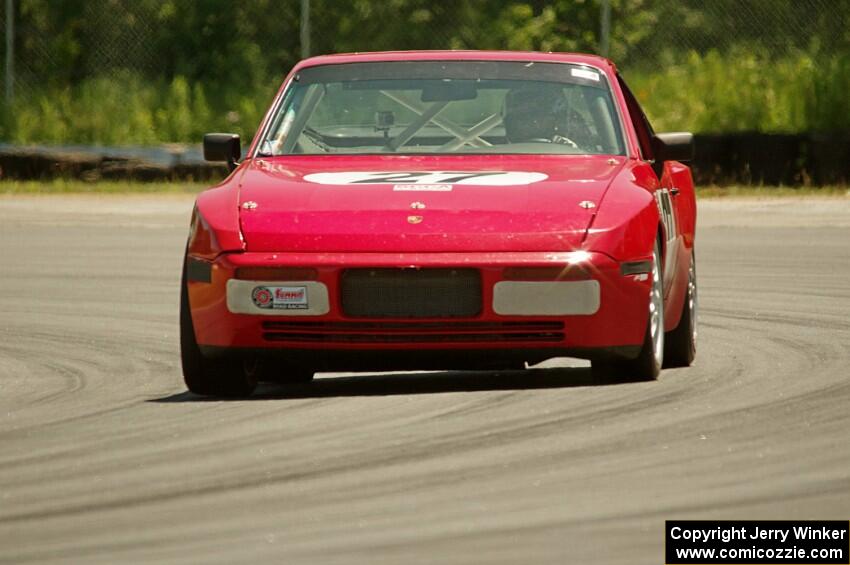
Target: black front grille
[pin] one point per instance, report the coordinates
(411, 293)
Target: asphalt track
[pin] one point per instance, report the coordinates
(105, 458)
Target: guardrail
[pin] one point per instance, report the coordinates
(156, 163)
(772, 159)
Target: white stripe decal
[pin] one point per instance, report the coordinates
(477, 178)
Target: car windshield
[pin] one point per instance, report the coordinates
(454, 107)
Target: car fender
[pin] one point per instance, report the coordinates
(627, 219)
(214, 227)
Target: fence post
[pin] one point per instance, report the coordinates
(604, 27)
(10, 51)
(305, 29)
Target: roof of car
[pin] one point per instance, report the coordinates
(458, 55)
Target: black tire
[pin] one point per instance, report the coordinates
(647, 365)
(267, 370)
(293, 375)
(225, 377)
(680, 344)
(607, 370)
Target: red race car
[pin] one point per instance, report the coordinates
(442, 210)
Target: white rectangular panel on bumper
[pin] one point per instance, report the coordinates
(268, 298)
(546, 298)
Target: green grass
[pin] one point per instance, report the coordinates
(128, 110)
(739, 90)
(743, 191)
(744, 91)
(60, 186)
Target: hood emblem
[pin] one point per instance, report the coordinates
(587, 204)
(414, 219)
(249, 205)
(417, 205)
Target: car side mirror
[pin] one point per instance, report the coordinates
(223, 147)
(676, 146)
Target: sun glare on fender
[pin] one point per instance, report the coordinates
(576, 257)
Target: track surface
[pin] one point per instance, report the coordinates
(105, 458)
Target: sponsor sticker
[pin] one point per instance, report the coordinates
(585, 74)
(262, 297)
(280, 297)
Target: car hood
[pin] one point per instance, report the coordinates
(421, 204)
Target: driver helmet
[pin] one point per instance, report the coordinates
(534, 112)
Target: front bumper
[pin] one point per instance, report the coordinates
(604, 312)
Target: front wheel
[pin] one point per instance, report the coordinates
(226, 377)
(647, 365)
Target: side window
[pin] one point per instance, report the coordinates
(642, 127)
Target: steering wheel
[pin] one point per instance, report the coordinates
(565, 141)
(558, 139)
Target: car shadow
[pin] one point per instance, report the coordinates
(397, 384)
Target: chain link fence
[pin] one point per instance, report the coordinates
(764, 82)
(55, 47)
(774, 29)
(238, 52)
(58, 41)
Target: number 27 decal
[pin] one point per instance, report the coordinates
(500, 178)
